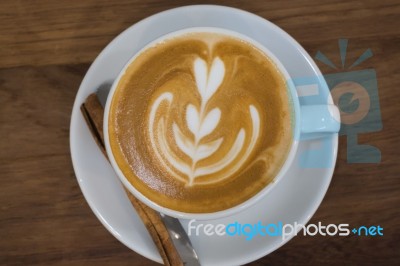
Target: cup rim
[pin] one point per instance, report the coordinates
(263, 192)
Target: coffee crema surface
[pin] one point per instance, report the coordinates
(201, 122)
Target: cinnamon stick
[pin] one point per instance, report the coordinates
(93, 113)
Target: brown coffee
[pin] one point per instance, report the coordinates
(201, 122)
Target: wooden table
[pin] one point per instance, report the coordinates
(47, 46)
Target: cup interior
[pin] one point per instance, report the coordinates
(235, 209)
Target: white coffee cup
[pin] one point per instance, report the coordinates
(313, 121)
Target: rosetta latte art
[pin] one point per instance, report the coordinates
(201, 122)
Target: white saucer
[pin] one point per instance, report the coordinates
(294, 199)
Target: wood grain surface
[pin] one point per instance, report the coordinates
(46, 48)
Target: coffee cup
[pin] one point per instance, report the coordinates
(203, 122)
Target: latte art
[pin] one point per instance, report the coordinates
(201, 123)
